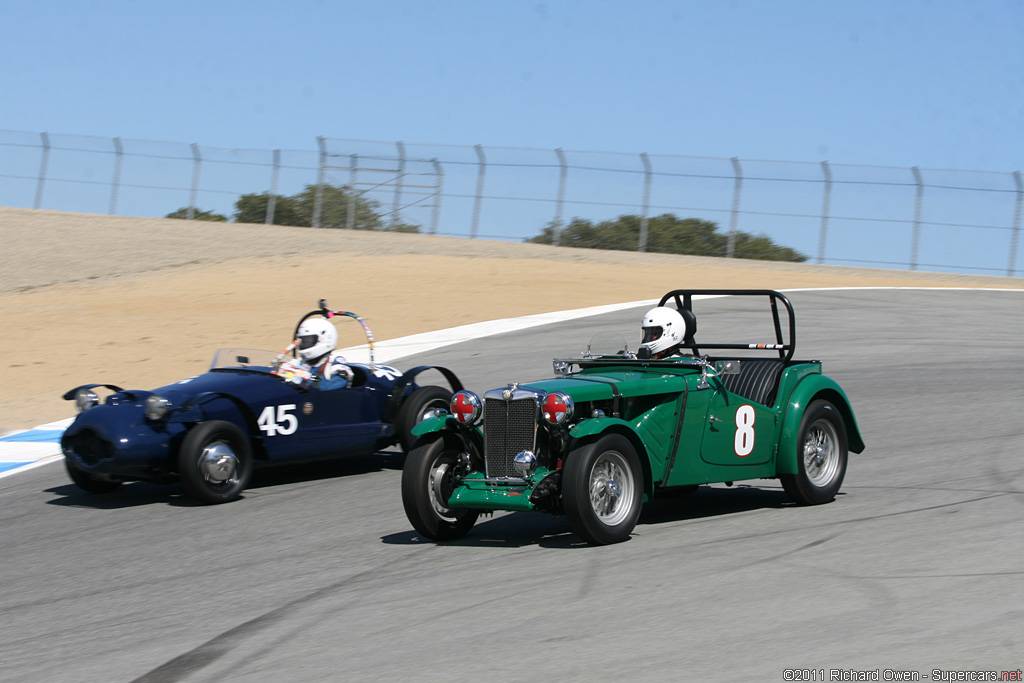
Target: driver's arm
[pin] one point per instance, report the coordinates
(336, 375)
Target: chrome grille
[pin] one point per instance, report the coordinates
(509, 428)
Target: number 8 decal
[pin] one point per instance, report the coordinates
(744, 442)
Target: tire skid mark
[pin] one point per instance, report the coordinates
(811, 527)
(213, 649)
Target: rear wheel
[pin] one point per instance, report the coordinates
(821, 458)
(603, 489)
(215, 462)
(422, 403)
(428, 480)
(87, 482)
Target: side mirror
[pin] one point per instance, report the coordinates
(727, 367)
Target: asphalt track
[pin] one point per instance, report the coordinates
(316, 575)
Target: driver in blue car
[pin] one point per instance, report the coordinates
(316, 341)
(664, 331)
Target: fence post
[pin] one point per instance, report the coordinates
(826, 206)
(350, 206)
(1014, 236)
(918, 204)
(482, 161)
(42, 170)
(318, 197)
(642, 245)
(730, 247)
(438, 183)
(116, 182)
(563, 172)
(272, 199)
(398, 183)
(197, 161)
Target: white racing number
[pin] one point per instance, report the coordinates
(387, 372)
(276, 420)
(744, 441)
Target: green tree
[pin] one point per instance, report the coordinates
(198, 216)
(298, 210)
(667, 234)
(252, 208)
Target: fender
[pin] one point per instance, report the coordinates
(398, 390)
(192, 411)
(70, 396)
(600, 425)
(438, 423)
(472, 438)
(810, 388)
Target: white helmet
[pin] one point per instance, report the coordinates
(663, 328)
(317, 337)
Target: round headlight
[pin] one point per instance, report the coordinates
(557, 408)
(157, 407)
(466, 407)
(85, 399)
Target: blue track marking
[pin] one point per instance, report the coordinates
(35, 436)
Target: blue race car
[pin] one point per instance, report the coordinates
(252, 408)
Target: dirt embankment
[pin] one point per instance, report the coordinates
(144, 301)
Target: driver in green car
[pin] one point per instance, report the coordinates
(664, 331)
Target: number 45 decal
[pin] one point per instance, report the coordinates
(744, 441)
(276, 420)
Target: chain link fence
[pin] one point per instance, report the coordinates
(935, 219)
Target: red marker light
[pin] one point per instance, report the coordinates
(557, 408)
(465, 407)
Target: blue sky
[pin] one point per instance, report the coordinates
(873, 87)
(886, 82)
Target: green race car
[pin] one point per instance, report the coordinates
(615, 427)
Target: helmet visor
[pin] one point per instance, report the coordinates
(650, 334)
(307, 341)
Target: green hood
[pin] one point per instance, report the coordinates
(596, 386)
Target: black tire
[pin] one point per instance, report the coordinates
(87, 482)
(417, 406)
(427, 482)
(821, 456)
(603, 486)
(215, 462)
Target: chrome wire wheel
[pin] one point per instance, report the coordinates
(441, 486)
(428, 481)
(602, 488)
(821, 452)
(821, 455)
(611, 487)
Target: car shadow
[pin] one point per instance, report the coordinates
(520, 529)
(505, 530)
(711, 501)
(139, 493)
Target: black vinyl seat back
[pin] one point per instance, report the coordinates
(691, 325)
(757, 380)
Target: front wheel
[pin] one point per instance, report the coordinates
(215, 462)
(428, 480)
(603, 489)
(821, 458)
(424, 402)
